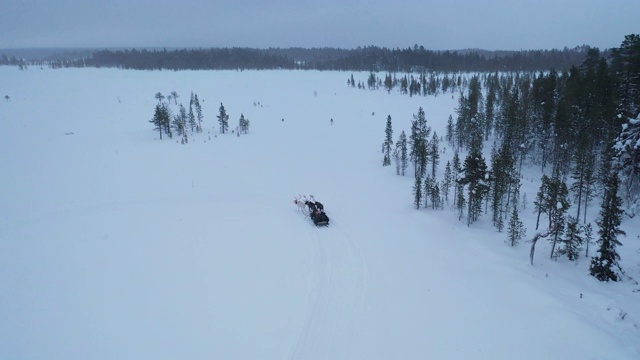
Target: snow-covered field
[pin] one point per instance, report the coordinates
(117, 245)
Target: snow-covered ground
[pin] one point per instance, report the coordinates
(117, 245)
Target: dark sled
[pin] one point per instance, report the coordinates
(319, 218)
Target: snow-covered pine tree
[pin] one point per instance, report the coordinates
(461, 202)
(449, 135)
(515, 230)
(558, 206)
(178, 123)
(436, 198)
(447, 181)
(243, 124)
(223, 119)
(196, 104)
(388, 142)
(396, 159)
(428, 189)
(475, 177)
(419, 143)
(588, 238)
(192, 118)
(609, 220)
(417, 192)
(158, 119)
(572, 240)
(541, 202)
(404, 158)
(456, 168)
(435, 154)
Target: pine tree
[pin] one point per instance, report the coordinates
(223, 119)
(450, 136)
(475, 177)
(541, 202)
(196, 104)
(436, 199)
(455, 175)
(447, 180)
(609, 220)
(158, 119)
(404, 158)
(159, 97)
(435, 154)
(573, 240)
(461, 202)
(192, 118)
(396, 159)
(428, 190)
(588, 238)
(419, 143)
(388, 141)
(557, 206)
(243, 124)
(388, 83)
(515, 229)
(417, 192)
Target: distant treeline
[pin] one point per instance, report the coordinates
(371, 58)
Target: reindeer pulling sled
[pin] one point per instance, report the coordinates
(313, 209)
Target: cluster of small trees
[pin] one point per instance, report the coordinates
(568, 124)
(423, 84)
(186, 121)
(165, 121)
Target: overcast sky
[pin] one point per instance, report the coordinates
(434, 24)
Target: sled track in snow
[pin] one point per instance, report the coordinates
(338, 296)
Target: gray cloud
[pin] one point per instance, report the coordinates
(435, 24)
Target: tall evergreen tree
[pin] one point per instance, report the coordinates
(158, 119)
(572, 240)
(460, 201)
(515, 229)
(243, 124)
(388, 142)
(558, 204)
(388, 83)
(402, 146)
(223, 119)
(417, 192)
(429, 183)
(192, 118)
(588, 238)
(541, 203)
(609, 220)
(196, 104)
(450, 136)
(475, 178)
(456, 167)
(435, 153)
(396, 159)
(447, 180)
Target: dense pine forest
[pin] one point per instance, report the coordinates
(371, 58)
(581, 127)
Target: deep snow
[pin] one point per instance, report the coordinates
(117, 245)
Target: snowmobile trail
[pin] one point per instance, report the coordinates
(338, 295)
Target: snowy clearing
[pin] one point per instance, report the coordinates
(117, 245)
